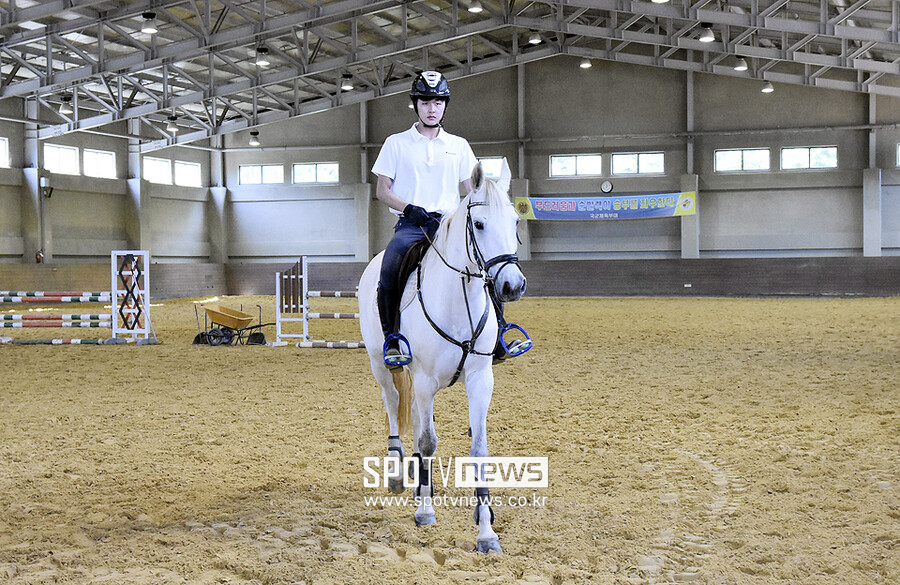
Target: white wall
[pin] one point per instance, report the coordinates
(179, 230)
(286, 222)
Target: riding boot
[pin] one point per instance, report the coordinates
(396, 348)
(386, 311)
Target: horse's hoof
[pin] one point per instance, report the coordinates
(425, 518)
(489, 545)
(395, 486)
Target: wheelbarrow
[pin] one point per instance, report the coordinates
(224, 326)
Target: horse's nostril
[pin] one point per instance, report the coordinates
(507, 290)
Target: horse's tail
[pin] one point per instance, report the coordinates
(404, 385)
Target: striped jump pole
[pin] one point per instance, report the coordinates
(62, 341)
(344, 294)
(42, 293)
(332, 315)
(62, 317)
(27, 324)
(332, 344)
(103, 298)
(292, 296)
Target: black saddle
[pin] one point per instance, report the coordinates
(411, 260)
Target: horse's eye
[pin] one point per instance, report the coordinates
(479, 225)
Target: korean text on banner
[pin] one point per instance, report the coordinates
(583, 208)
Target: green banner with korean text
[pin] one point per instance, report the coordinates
(587, 207)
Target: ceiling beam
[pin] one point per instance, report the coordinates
(189, 48)
(282, 76)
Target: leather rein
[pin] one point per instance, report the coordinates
(476, 256)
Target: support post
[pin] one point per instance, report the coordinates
(137, 222)
(689, 122)
(873, 137)
(520, 117)
(217, 210)
(872, 222)
(690, 224)
(32, 202)
(362, 202)
(217, 223)
(520, 188)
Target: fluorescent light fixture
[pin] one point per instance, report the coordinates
(149, 26)
(475, 7)
(347, 82)
(65, 107)
(585, 63)
(660, 1)
(254, 138)
(534, 39)
(172, 126)
(707, 36)
(768, 87)
(741, 65)
(262, 57)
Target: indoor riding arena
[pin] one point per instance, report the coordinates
(708, 198)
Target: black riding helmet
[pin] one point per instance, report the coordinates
(429, 85)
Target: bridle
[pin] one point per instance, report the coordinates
(474, 252)
(477, 257)
(472, 246)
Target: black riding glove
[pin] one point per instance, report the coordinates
(417, 215)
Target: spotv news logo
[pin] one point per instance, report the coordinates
(467, 472)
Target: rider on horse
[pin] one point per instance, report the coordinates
(419, 172)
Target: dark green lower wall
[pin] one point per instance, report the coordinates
(705, 277)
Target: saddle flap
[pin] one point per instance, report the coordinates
(408, 269)
(412, 258)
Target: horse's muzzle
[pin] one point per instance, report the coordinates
(511, 284)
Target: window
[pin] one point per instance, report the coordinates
(61, 159)
(898, 155)
(158, 170)
(639, 163)
(187, 174)
(579, 165)
(812, 157)
(492, 166)
(4, 153)
(260, 174)
(316, 172)
(99, 163)
(739, 160)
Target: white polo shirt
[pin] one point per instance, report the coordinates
(426, 172)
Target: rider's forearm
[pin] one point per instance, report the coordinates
(387, 196)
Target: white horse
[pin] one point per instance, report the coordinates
(452, 327)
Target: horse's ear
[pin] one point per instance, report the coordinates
(505, 177)
(477, 178)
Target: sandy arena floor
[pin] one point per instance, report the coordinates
(690, 440)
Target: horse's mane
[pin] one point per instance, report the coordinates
(494, 197)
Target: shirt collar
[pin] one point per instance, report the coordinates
(420, 137)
